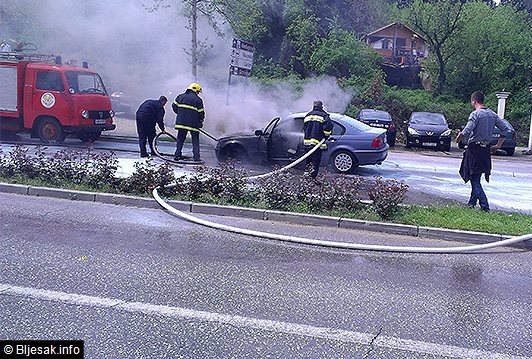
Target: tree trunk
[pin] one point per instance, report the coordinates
(442, 78)
(194, 30)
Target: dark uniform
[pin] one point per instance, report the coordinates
(188, 107)
(317, 126)
(150, 112)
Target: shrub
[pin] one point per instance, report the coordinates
(19, 163)
(146, 177)
(387, 195)
(326, 192)
(225, 181)
(277, 191)
(102, 169)
(346, 191)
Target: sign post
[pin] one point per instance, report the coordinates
(241, 60)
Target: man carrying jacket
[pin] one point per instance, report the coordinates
(477, 157)
(150, 112)
(317, 126)
(190, 114)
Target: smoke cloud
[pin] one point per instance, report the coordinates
(142, 54)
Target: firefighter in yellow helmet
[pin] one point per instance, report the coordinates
(190, 115)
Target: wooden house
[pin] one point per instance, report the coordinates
(398, 44)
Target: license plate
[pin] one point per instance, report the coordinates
(99, 121)
(430, 144)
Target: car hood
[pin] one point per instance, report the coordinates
(238, 135)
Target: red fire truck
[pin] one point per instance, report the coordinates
(51, 100)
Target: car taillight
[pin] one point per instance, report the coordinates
(377, 142)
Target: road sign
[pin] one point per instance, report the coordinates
(241, 58)
(238, 71)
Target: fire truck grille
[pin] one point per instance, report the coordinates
(99, 114)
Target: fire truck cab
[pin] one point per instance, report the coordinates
(51, 100)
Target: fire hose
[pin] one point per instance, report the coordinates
(323, 243)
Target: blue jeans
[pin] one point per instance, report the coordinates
(477, 193)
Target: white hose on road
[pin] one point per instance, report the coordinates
(331, 244)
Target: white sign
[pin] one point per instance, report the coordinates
(241, 58)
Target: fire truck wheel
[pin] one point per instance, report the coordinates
(89, 136)
(51, 131)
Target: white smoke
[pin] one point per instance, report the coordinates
(141, 53)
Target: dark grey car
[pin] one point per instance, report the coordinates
(508, 145)
(381, 119)
(351, 143)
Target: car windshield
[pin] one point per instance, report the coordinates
(85, 82)
(428, 118)
(375, 115)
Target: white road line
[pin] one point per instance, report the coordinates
(254, 323)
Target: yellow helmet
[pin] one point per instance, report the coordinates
(194, 87)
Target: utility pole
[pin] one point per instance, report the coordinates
(194, 31)
(530, 131)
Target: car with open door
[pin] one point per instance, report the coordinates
(351, 144)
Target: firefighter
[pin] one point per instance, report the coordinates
(190, 115)
(317, 126)
(150, 112)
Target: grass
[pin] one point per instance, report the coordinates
(451, 217)
(466, 219)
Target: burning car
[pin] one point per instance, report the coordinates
(351, 144)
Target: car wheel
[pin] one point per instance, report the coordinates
(90, 136)
(461, 145)
(232, 152)
(407, 144)
(50, 131)
(509, 151)
(344, 162)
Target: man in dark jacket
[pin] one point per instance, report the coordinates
(150, 112)
(317, 126)
(190, 115)
(477, 156)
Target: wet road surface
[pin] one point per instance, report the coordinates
(181, 290)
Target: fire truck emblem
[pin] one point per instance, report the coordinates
(48, 100)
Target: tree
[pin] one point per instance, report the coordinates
(493, 52)
(342, 55)
(191, 9)
(519, 4)
(438, 21)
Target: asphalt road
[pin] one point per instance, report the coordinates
(148, 285)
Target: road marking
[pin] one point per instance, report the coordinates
(253, 323)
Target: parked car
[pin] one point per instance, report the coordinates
(380, 119)
(428, 129)
(121, 105)
(508, 145)
(352, 143)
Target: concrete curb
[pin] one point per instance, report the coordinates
(233, 211)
